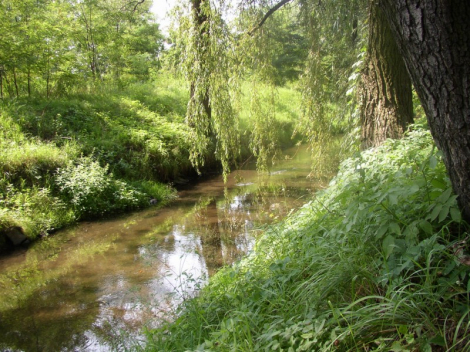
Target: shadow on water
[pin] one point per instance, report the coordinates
(79, 289)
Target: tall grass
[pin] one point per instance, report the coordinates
(375, 263)
(136, 135)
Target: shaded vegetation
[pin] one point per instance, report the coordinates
(374, 262)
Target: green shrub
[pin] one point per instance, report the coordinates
(35, 210)
(93, 192)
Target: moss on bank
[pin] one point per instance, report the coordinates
(376, 262)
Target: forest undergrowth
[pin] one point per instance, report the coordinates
(376, 262)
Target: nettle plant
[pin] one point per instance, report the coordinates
(410, 211)
(93, 191)
(391, 210)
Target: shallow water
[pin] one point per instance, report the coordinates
(93, 287)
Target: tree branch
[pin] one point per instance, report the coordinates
(268, 14)
(133, 3)
(138, 3)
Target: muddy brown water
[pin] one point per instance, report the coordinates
(95, 286)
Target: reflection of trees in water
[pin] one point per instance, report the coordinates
(208, 229)
(225, 227)
(38, 322)
(222, 229)
(78, 294)
(271, 201)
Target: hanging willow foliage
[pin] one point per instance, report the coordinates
(258, 51)
(336, 35)
(206, 58)
(214, 59)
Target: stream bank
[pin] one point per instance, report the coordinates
(378, 261)
(98, 283)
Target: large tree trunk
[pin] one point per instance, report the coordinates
(434, 38)
(387, 105)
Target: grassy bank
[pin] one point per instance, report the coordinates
(88, 155)
(376, 262)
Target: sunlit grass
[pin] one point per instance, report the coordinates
(88, 155)
(136, 137)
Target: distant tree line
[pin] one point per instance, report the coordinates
(53, 47)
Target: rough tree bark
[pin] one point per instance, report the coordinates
(387, 104)
(433, 37)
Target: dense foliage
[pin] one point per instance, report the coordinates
(88, 128)
(52, 48)
(211, 49)
(374, 262)
(87, 156)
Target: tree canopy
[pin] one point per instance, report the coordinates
(53, 47)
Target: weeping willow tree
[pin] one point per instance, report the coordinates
(335, 37)
(207, 61)
(432, 38)
(215, 57)
(387, 104)
(328, 83)
(259, 48)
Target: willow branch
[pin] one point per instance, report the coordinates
(268, 14)
(133, 3)
(138, 3)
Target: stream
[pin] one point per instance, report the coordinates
(94, 287)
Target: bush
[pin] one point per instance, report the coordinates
(35, 210)
(93, 192)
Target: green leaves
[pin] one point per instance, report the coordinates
(442, 205)
(388, 246)
(92, 191)
(54, 48)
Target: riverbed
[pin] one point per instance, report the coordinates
(95, 286)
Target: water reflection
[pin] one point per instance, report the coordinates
(81, 288)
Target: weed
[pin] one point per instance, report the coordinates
(85, 156)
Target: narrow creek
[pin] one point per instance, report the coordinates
(93, 286)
